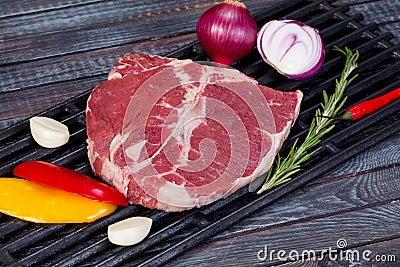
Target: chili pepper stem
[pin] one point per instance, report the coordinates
(362, 109)
(345, 117)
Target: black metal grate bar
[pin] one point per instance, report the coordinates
(28, 244)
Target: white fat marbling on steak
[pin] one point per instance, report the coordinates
(190, 116)
(135, 150)
(115, 144)
(175, 195)
(116, 176)
(171, 196)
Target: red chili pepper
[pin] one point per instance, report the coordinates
(367, 107)
(68, 180)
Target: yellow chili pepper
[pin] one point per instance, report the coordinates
(41, 204)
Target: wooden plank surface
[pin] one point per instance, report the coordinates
(359, 205)
(386, 13)
(359, 201)
(26, 47)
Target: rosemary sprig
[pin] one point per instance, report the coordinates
(283, 169)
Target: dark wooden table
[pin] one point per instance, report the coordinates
(51, 51)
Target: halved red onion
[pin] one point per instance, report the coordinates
(294, 49)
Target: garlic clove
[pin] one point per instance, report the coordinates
(129, 231)
(48, 132)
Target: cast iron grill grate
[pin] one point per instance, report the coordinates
(24, 243)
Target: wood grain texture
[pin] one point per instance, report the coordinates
(52, 46)
(384, 12)
(57, 79)
(65, 31)
(324, 197)
(8, 122)
(319, 209)
(51, 51)
(336, 195)
(343, 202)
(85, 64)
(111, 32)
(383, 254)
(33, 43)
(10, 8)
(382, 155)
(357, 227)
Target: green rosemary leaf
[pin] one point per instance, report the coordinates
(325, 96)
(284, 168)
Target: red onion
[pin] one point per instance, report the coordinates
(227, 31)
(294, 49)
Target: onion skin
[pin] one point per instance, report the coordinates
(227, 31)
(281, 44)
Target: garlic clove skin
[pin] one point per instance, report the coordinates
(48, 132)
(129, 231)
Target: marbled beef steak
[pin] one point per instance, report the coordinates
(175, 134)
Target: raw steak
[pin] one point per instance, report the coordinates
(174, 134)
